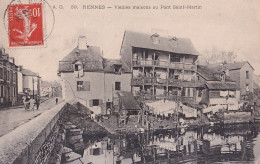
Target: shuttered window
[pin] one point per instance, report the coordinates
(83, 86)
(95, 102)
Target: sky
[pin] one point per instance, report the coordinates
(232, 25)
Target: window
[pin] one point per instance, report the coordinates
(222, 77)
(176, 77)
(247, 74)
(187, 92)
(77, 67)
(2, 91)
(117, 86)
(83, 86)
(175, 58)
(5, 74)
(80, 86)
(247, 87)
(1, 73)
(95, 102)
(200, 93)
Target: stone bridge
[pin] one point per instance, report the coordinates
(33, 141)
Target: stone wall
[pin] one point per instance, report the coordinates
(23, 145)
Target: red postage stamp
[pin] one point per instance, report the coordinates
(25, 25)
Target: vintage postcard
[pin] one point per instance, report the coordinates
(129, 81)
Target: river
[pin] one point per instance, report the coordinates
(218, 144)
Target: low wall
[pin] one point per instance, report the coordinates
(22, 144)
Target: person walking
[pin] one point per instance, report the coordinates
(37, 102)
(57, 100)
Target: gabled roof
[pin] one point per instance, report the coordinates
(28, 72)
(45, 84)
(206, 72)
(90, 58)
(218, 85)
(231, 66)
(142, 40)
(110, 64)
(210, 73)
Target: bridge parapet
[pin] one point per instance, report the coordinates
(22, 145)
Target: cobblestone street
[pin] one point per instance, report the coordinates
(13, 118)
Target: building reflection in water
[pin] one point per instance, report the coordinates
(201, 145)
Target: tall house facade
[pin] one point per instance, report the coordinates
(91, 79)
(29, 82)
(161, 67)
(8, 79)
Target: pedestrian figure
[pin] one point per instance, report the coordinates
(37, 102)
(57, 100)
(26, 103)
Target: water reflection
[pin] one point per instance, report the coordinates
(198, 145)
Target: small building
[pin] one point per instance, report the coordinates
(29, 82)
(219, 90)
(90, 78)
(8, 79)
(242, 73)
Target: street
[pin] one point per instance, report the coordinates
(13, 118)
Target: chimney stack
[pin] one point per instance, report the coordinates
(155, 38)
(82, 43)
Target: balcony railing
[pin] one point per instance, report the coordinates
(137, 81)
(161, 81)
(148, 80)
(189, 66)
(163, 63)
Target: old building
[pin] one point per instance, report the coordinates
(8, 79)
(242, 73)
(219, 90)
(161, 66)
(29, 82)
(90, 78)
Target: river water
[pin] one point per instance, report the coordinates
(219, 144)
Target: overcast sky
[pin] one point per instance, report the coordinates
(232, 25)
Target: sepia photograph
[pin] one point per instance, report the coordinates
(129, 82)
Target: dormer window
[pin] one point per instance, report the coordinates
(117, 68)
(77, 66)
(222, 77)
(78, 69)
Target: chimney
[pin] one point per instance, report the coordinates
(82, 43)
(155, 38)
(20, 67)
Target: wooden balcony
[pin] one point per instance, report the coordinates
(161, 81)
(175, 65)
(137, 81)
(149, 80)
(188, 66)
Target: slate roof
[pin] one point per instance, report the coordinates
(110, 64)
(211, 73)
(28, 72)
(136, 39)
(91, 59)
(231, 66)
(218, 85)
(206, 72)
(128, 101)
